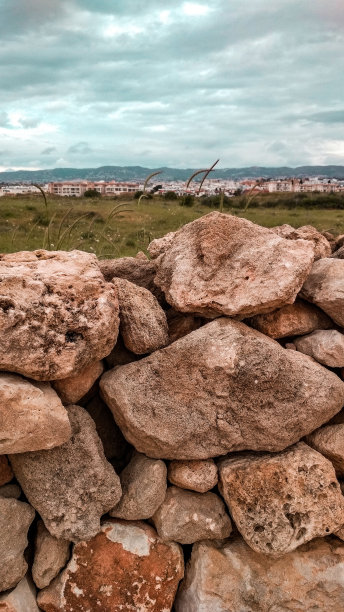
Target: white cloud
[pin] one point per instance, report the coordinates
(194, 9)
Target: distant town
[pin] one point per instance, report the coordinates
(230, 188)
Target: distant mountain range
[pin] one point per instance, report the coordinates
(129, 173)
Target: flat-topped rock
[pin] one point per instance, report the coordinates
(221, 388)
(15, 520)
(325, 287)
(200, 476)
(279, 501)
(292, 320)
(222, 264)
(57, 314)
(322, 247)
(32, 416)
(73, 485)
(325, 346)
(126, 566)
(230, 577)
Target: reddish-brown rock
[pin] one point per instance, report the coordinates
(200, 476)
(221, 388)
(143, 323)
(329, 441)
(72, 389)
(292, 320)
(322, 247)
(325, 346)
(6, 473)
(180, 324)
(230, 577)
(51, 555)
(15, 520)
(126, 566)
(221, 264)
(57, 315)
(325, 287)
(279, 501)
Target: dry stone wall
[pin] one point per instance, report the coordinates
(172, 429)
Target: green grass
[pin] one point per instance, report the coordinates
(24, 221)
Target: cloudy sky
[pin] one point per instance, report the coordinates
(171, 82)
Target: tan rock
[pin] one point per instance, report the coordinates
(31, 416)
(179, 324)
(322, 247)
(280, 501)
(143, 323)
(114, 444)
(57, 314)
(222, 388)
(10, 490)
(51, 555)
(72, 389)
(187, 517)
(120, 355)
(325, 346)
(292, 320)
(6, 473)
(329, 441)
(221, 264)
(339, 254)
(21, 599)
(325, 288)
(230, 577)
(160, 245)
(144, 484)
(138, 270)
(71, 486)
(200, 476)
(15, 520)
(132, 570)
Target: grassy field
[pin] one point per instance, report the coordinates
(83, 223)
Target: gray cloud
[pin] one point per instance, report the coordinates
(49, 151)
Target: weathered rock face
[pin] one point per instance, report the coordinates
(72, 389)
(51, 555)
(21, 599)
(325, 287)
(114, 444)
(221, 264)
(15, 520)
(278, 502)
(132, 569)
(230, 577)
(57, 315)
(292, 320)
(180, 325)
(224, 387)
(31, 416)
(72, 485)
(144, 485)
(6, 473)
(138, 270)
(322, 247)
(339, 254)
(325, 346)
(200, 476)
(187, 517)
(143, 322)
(329, 441)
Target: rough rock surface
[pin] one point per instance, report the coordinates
(324, 345)
(120, 355)
(21, 599)
(144, 484)
(6, 473)
(71, 486)
(230, 577)
(280, 501)
(180, 324)
(221, 264)
(31, 417)
(138, 270)
(132, 570)
(10, 490)
(143, 323)
(329, 441)
(200, 476)
(15, 520)
(339, 254)
(322, 247)
(325, 287)
(292, 320)
(224, 387)
(114, 444)
(51, 555)
(57, 315)
(187, 517)
(72, 389)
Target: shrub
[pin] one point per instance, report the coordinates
(92, 193)
(187, 200)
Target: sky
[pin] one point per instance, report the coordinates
(86, 83)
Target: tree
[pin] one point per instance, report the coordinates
(92, 193)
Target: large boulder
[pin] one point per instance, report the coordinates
(324, 345)
(230, 577)
(15, 520)
(126, 566)
(32, 416)
(279, 501)
(322, 247)
(143, 323)
(325, 287)
(71, 486)
(221, 264)
(51, 555)
(292, 320)
(57, 315)
(224, 387)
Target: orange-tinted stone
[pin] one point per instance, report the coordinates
(6, 473)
